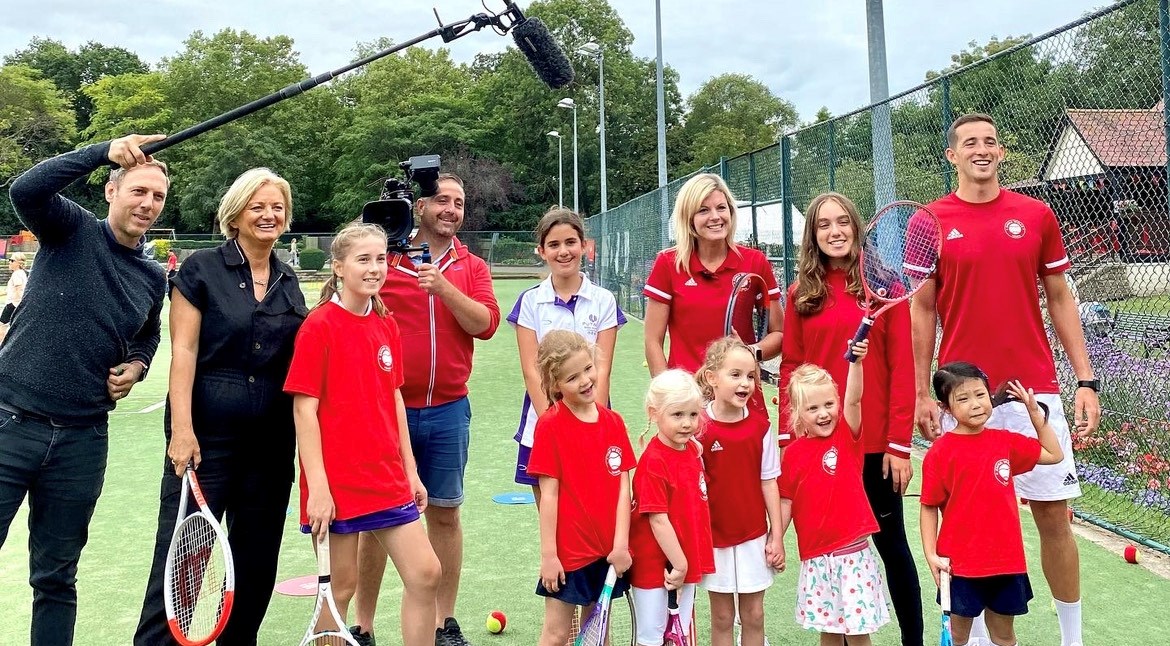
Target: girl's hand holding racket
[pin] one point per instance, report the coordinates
(183, 449)
(420, 492)
(552, 573)
(674, 578)
(320, 509)
(859, 349)
(620, 559)
(938, 564)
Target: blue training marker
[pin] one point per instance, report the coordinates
(514, 498)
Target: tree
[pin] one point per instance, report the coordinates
(35, 122)
(735, 113)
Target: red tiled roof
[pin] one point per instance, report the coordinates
(1123, 137)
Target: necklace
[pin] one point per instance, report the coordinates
(262, 283)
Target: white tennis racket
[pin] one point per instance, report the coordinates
(199, 580)
(327, 628)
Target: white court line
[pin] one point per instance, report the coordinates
(153, 407)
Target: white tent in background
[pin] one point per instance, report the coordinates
(769, 222)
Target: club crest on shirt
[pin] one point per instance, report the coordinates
(385, 358)
(1014, 228)
(829, 461)
(613, 460)
(702, 486)
(1003, 471)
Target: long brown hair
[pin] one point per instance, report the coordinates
(812, 264)
(340, 249)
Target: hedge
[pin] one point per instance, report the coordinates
(312, 259)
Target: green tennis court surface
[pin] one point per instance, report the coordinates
(1122, 603)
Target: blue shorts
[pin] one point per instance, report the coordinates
(393, 517)
(582, 587)
(439, 436)
(1005, 594)
(523, 454)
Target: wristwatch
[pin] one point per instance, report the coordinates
(758, 351)
(1092, 384)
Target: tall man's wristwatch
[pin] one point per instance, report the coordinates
(1092, 384)
(758, 352)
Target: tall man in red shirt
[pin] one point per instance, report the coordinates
(997, 245)
(441, 308)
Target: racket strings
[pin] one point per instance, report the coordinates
(900, 251)
(199, 578)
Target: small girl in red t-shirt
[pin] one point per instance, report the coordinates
(840, 588)
(670, 535)
(967, 474)
(357, 468)
(742, 461)
(582, 459)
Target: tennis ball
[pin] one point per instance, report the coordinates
(1131, 554)
(645, 365)
(496, 622)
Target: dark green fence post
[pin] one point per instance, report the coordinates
(947, 118)
(832, 155)
(752, 191)
(723, 171)
(786, 210)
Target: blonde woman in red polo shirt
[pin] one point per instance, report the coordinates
(821, 315)
(690, 283)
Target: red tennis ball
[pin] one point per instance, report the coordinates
(1131, 554)
(496, 622)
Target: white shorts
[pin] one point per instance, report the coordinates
(1046, 482)
(741, 568)
(650, 612)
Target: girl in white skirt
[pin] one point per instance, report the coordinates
(742, 459)
(821, 492)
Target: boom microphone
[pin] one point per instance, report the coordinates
(543, 53)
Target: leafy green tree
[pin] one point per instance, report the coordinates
(734, 113)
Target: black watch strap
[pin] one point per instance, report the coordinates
(1091, 384)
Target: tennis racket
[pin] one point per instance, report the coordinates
(674, 635)
(900, 251)
(327, 628)
(747, 308)
(595, 628)
(944, 592)
(199, 580)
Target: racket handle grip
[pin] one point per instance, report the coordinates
(944, 586)
(862, 333)
(671, 595)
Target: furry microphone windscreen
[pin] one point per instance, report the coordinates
(543, 53)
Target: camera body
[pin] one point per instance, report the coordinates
(394, 209)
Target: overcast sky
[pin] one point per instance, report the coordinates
(810, 52)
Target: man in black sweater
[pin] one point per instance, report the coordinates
(84, 334)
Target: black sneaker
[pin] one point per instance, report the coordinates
(363, 639)
(450, 635)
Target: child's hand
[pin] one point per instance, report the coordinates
(320, 509)
(620, 559)
(675, 578)
(552, 575)
(1028, 398)
(774, 551)
(860, 349)
(938, 564)
(420, 492)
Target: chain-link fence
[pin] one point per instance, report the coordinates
(1082, 114)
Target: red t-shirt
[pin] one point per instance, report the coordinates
(737, 456)
(969, 478)
(588, 460)
(822, 478)
(670, 481)
(996, 250)
(353, 364)
(887, 401)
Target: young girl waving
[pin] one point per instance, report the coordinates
(742, 462)
(357, 468)
(967, 474)
(671, 531)
(840, 586)
(566, 300)
(582, 457)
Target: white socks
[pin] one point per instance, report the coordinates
(1069, 615)
(979, 634)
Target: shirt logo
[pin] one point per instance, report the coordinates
(829, 461)
(716, 446)
(613, 460)
(691, 282)
(1014, 229)
(702, 486)
(954, 235)
(385, 359)
(1003, 471)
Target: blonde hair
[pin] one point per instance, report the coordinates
(17, 256)
(716, 354)
(812, 263)
(670, 389)
(240, 193)
(340, 249)
(686, 205)
(804, 378)
(555, 349)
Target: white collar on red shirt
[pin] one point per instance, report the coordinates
(710, 410)
(337, 299)
(546, 294)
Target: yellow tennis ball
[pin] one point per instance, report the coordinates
(645, 365)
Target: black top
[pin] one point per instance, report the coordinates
(237, 332)
(91, 304)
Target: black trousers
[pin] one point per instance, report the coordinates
(247, 442)
(892, 546)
